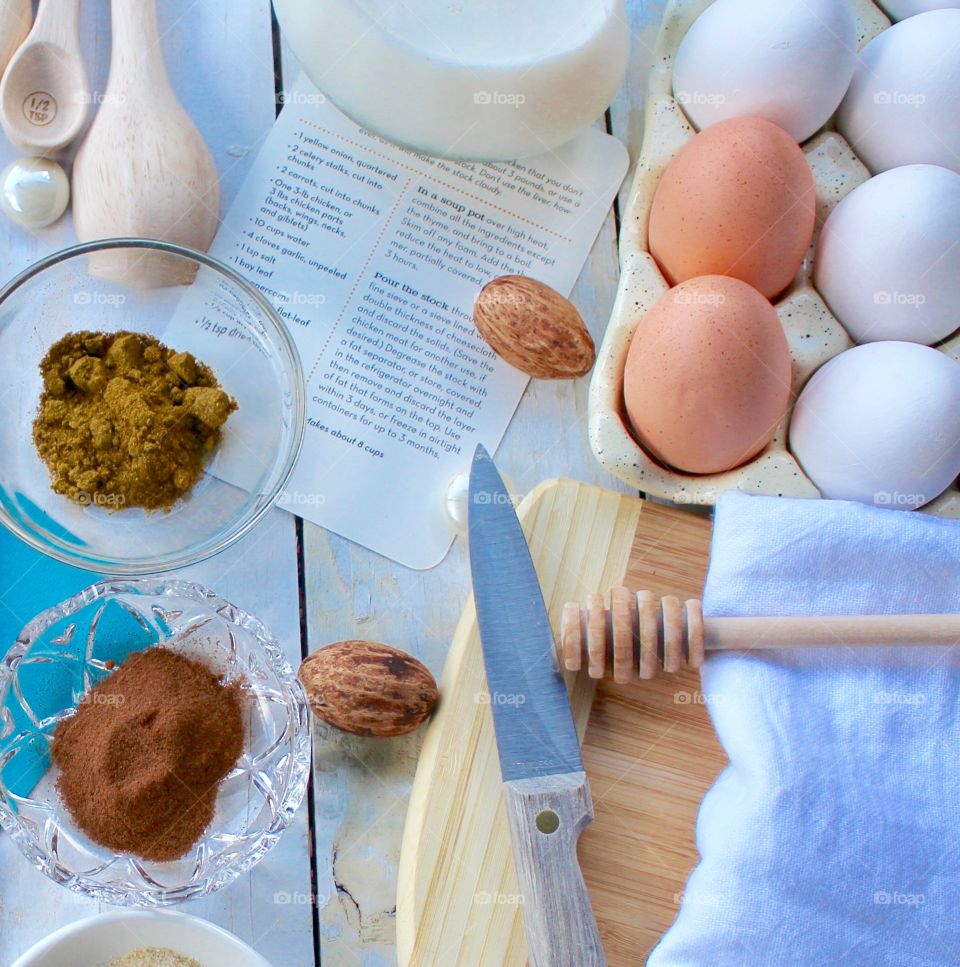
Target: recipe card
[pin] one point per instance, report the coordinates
(373, 255)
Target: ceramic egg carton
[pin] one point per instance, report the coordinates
(813, 334)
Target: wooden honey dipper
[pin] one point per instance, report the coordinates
(638, 631)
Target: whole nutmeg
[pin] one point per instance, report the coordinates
(533, 328)
(366, 688)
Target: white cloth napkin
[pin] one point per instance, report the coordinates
(833, 838)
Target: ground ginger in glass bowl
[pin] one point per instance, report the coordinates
(221, 324)
(125, 421)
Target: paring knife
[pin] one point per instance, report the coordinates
(547, 795)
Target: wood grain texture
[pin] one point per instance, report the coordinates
(222, 72)
(649, 751)
(852, 631)
(558, 921)
(651, 754)
(457, 899)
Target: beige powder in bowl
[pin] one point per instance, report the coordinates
(154, 957)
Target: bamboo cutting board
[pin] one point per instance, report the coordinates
(649, 750)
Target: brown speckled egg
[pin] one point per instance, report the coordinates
(738, 200)
(707, 378)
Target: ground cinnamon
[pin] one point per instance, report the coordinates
(142, 759)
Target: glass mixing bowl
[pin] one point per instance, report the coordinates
(226, 323)
(65, 651)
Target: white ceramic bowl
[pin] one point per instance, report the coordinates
(98, 940)
(495, 80)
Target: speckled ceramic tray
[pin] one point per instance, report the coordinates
(813, 333)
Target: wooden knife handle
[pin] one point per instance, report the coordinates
(547, 815)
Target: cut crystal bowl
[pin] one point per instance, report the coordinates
(65, 651)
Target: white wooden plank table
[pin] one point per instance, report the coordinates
(220, 57)
(362, 785)
(335, 902)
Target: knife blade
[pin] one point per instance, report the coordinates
(545, 786)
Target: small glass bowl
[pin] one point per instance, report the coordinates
(203, 307)
(67, 650)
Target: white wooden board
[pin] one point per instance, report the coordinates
(363, 784)
(220, 57)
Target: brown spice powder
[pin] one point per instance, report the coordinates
(142, 759)
(125, 421)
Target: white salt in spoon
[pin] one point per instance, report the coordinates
(143, 169)
(44, 95)
(15, 19)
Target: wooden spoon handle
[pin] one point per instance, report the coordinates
(136, 59)
(638, 634)
(16, 17)
(58, 22)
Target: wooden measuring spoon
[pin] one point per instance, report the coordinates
(44, 95)
(15, 19)
(143, 170)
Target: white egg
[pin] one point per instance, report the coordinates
(34, 192)
(788, 61)
(903, 106)
(888, 260)
(901, 9)
(878, 424)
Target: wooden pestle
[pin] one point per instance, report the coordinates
(143, 170)
(638, 633)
